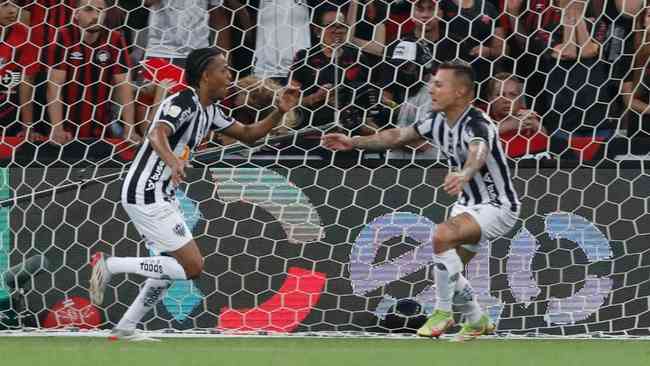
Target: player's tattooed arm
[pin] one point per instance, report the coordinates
(387, 139)
(287, 99)
(475, 158)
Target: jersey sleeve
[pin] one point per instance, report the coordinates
(220, 121)
(479, 131)
(175, 111)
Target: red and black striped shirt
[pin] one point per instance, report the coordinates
(46, 17)
(90, 69)
(17, 58)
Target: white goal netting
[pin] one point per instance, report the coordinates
(297, 239)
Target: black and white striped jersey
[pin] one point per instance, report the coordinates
(149, 179)
(492, 184)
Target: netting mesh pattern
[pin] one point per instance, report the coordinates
(294, 248)
(293, 239)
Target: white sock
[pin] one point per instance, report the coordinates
(152, 291)
(465, 300)
(152, 267)
(447, 269)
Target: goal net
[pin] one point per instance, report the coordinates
(298, 239)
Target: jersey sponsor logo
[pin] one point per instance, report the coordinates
(185, 115)
(103, 56)
(179, 229)
(76, 56)
(155, 177)
(490, 186)
(172, 110)
(151, 267)
(153, 295)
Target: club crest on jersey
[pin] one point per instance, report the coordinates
(10, 79)
(179, 229)
(102, 56)
(76, 56)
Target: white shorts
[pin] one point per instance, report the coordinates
(494, 221)
(161, 225)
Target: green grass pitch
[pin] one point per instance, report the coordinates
(86, 351)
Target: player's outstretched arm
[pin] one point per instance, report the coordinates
(476, 158)
(384, 140)
(287, 99)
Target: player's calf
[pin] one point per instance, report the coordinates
(193, 268)
(190, 258)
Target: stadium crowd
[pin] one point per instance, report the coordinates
(558, 76)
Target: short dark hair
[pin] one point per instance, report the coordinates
(462, 71)
(196, 63)
(320, 11)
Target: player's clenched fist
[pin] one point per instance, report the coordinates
(454, 183)
(288, 98)
(178, 171)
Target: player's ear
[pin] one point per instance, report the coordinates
(204, 77)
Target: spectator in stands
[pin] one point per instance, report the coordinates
(367, 29)
(176, 28)
(414, 58)
(636, 88)
(45, 18)
(18, 63)
(614, 31)
(332, 73)
(282, 30)
(92, 67)
(520, 128)
(618, 42)
(132, 19)
(567, 45)
(472, 25)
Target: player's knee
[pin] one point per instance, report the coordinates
(194, 268)
(442, 239)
